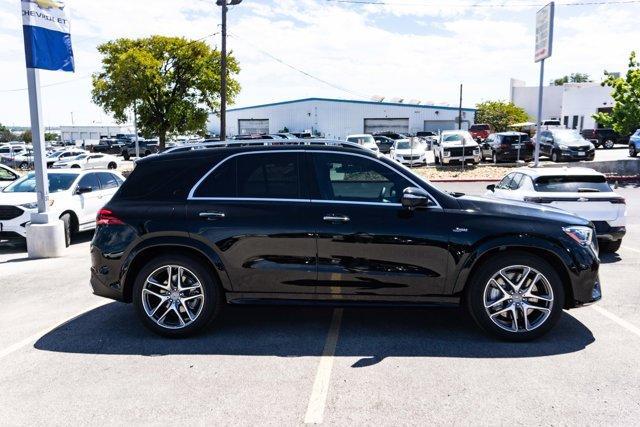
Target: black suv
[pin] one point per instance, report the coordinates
(565, 144)
(606, 138)
(330, 224)
(507, 146)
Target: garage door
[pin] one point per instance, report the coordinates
(386, 125)
(251, 126)
(439, 125)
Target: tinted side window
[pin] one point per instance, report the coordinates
(90, 180)
(107, 180)
(221, 182)
(273, 176)
(344, 177)
(5, 175)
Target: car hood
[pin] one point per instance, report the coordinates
(15, 199)
(408, 151)
(574, 143)
(510, 208)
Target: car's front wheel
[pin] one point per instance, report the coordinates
(516, 298)
(112, 165)
(608, 143)
(176, 296)
(555, 157)
(632, 151)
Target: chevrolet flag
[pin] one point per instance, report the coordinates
(47, 38)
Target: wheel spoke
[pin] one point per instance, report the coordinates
(186, 309)
(499, 286)
(161, 318)
(169, 277)
(514, 315)
(157, 295)
(192, 297)
(525, 315)
(175, 309)
(504, 310)
(154, 282)
(506, 279)
(535, 307)
(160, 304)
(497, 302)
(525, 274)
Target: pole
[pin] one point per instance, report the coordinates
(135, 127)
(37, 133)
(460, 110)
(536, 156)
(223, 76)
(72, 118)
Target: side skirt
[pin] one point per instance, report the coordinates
(250, 298)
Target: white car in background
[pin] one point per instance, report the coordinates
(365, 140)
(88, 161)
(75, 196)
(581, 191)
(456, 146)
(409, 152)
(7, 176)
(64, 154)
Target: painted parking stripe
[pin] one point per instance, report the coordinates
(628, 326)
(318, 399)
(627, 248)
(35, 337)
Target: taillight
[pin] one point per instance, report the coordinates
(106, 217)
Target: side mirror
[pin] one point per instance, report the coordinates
(491, 187)
(414, 197)
(83, 190)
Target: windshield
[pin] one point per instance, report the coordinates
(572, 184)
(57, 182)
(367, 139)
(568, 135)
(406, 145)
(457, 137)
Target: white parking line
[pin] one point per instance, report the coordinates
(628, 326)
(318, 399)
(631, 249)
(35, 337)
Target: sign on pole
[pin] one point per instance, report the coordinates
(544, 48)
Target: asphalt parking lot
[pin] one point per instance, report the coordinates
(68, 357)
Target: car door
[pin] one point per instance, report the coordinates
(546, 143)
(109, 184)
(91, 201)
(368, 244)
(487, 147)
(253, 209)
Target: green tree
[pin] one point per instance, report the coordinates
(625, 115)
(26, 136)
(500, 114)
(175, 81)
(50, 136)
(573, 78)
(5, 134)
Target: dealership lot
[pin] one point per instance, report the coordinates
(291, 365)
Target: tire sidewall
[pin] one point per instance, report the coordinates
(211, 292)
(475, 294)
(66, 220)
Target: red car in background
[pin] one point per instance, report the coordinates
(480, 131)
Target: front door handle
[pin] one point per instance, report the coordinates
(336, 218)
(212, 216)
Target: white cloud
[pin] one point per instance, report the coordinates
(411, 51)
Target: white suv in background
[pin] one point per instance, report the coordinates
(365, 140)
(88, 161)
(409, 152)
(456, 146)
(75, 196)
(581, 191)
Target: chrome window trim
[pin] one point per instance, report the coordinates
(197, 184)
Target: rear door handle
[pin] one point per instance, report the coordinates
(212, 216)
(336, 218)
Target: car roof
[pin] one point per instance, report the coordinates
(358, 135)
(537, 172)
(507, 133)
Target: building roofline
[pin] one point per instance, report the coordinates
(351, 101)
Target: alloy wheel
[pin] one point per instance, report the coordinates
(608, 144)
(172, 297)
(518, 298)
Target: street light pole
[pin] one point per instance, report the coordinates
(223, 66)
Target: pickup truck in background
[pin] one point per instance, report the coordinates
(606, 138)
(146, 147)
(108, 146)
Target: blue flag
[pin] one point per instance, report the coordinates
(47, 38)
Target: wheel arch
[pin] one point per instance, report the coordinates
(141, 255)
(75, 221)
(546, 254)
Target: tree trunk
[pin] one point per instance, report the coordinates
(162, 137)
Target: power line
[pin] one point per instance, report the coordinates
(479, 5)
(275, 58)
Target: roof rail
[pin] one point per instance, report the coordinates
(265, 143)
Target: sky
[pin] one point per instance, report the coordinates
(290, 49)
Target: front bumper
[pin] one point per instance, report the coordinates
(16, 226)
(573, 155)
(408, 160)
(474, 158)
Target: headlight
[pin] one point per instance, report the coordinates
(591, 146)
(563, 147)
(582, 235)
(447, 153)
(32, 205)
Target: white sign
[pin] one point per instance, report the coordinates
(544, 32)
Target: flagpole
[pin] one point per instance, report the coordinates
(37, 132)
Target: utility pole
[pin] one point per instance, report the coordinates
(135, 127)
(460, 110)
(223, 67)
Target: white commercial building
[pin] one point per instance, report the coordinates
(573, 104)
(337, 118)
(92, 133)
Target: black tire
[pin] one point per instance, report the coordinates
(66, 219)
(609, 246)
(474, 296)
(147, 153)
(24, 166)
(437, 160)
(632, 151)
(494, 157)
(555, 157)
(75, 167)
(212, 300)
(608, 143)
(125, 155)
(112, 165)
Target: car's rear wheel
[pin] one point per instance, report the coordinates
(516, 298)
(555, 157)
(608, 143)
(632, 151)
(176, 296)
(610, 246)
(125, 155)
(24, 166)
(494, 157)
(112, 165)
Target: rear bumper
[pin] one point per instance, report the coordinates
(611, 234)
